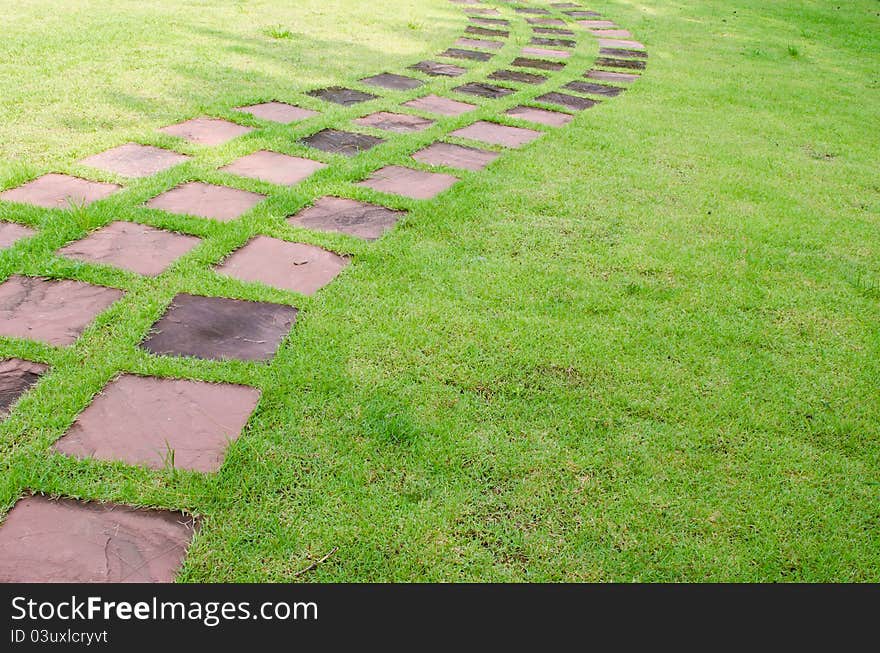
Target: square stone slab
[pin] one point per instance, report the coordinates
(610, 62)
(611, 33)
(566, 100)
(400, 123)
(206, 201)
(55, 191)
(546, 52)
(488, 21)
(12, 232)
(135, 160)
(341, 95)
(274, 168)
(484, 90)
(495, 134)
(138, 248)
(17, 377)
(608, 76)
(564, 5)
(597, 24)
(473, 55)
(337, 141)
(484, 12)
(552, 30)
(438, 69)
(621, 52)
(479, 43)
(486, 31)
(139, 420)
(560, 43)
(393, 82)
(545, 21)
(541, 116)
(47, 540)
(206, 131)
(440, 105)
(416, 184)
(455, 156)
(278, 112)
(217, 328)
(346, 216)
(517, 76)
(594, 89)
(541, 64)
(583, 14)
(620, 43)
(531, 10)
(292, 266)
(53, 312)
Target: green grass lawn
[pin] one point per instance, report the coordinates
(645, 347)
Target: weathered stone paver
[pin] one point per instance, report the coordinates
(274, 167)
(17, 376)
(401, 123)
(206, 131)
(367, 221)
(455, 156)
(297, 267)
(56, 191)
(541, 116)
(341, 95)
(518, 76)
(161, 423)
(481, 89)
(337, 141)
(473, 55)
(546, 52)
(495, 134)
(440, 105)
(393, 82)
(611, 62)
(438, 69)
(139, 248)
(608, 76)
(206, 201)
(479, 43)
(135, 160)
(12, 232)
(594, 89)
(486, 31)
(621, 52)
(415, 184)
(541, 64)
(278, 112)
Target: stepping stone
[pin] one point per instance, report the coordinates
(297, 267)
(485, 31)
(55, 191)
(341, 95)
(12, 232)
(620, 52)
(274, 168)
(531, 10)
(455, 156)
(440, 105)
(552, 30)
(564, 5)
(50, 311)
(594, 89)
(473, 55)
(541, 116)
(611, 33)
(17, 377)
(489, 21)
(495, 134)
(336, 141)
(206, 201)
(566, 100)
(400, 123)
(141, 420)
(485, 12)
(610, 62)
(542, 64)
(545, 21)
(597, 24)
(393, 82)
(206, 131)
(621, 43)
(563, 43)
(438, 69)
(546, 52)
(46, 540)
(479, 43)
(516, 76)
(135, 160)
(416, 184)
(583, 14)
(484, 90)
(337, 214)
(607, 76)
(135, 247)
(217, 328)
(278, 112)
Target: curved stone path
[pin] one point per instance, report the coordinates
(160, 422)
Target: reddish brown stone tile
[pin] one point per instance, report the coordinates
(473, 55)
(568, 101)
(274, 168)
(206, 201)
(292, 266)
(479, 43)
(488, 21)
(136, 247)
(17, 377)
(438, 69)
(149, 421)
(608, 76)
(11, 233)
(560, 43)
(486, 31)
(540, 11)
(346, 216)
(217, 328)
(135, 160)
(46, 540)
(455, 156)
(55, 191)
(546, 52)
(594, 89)
(340, 95)
(395, 122)
(336, 141)
(393, 82)
(597, 24)
(611, 33)
(610, 62)
(583, 14)
(206, 131)
(546, 21)
(518, 76)
(440, 105)
(541, 116)
(416, 184)
(481, 89)
(554, 31)
(495, 134)
(564, 5)
(54, 312)
(620, 43)
(484, 12)
(541, 64)
(620, 52)
(278, 112)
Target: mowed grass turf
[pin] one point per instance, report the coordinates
(645, 347)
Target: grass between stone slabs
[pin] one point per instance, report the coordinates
(643, 347)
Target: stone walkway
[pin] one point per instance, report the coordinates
(158, 422)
